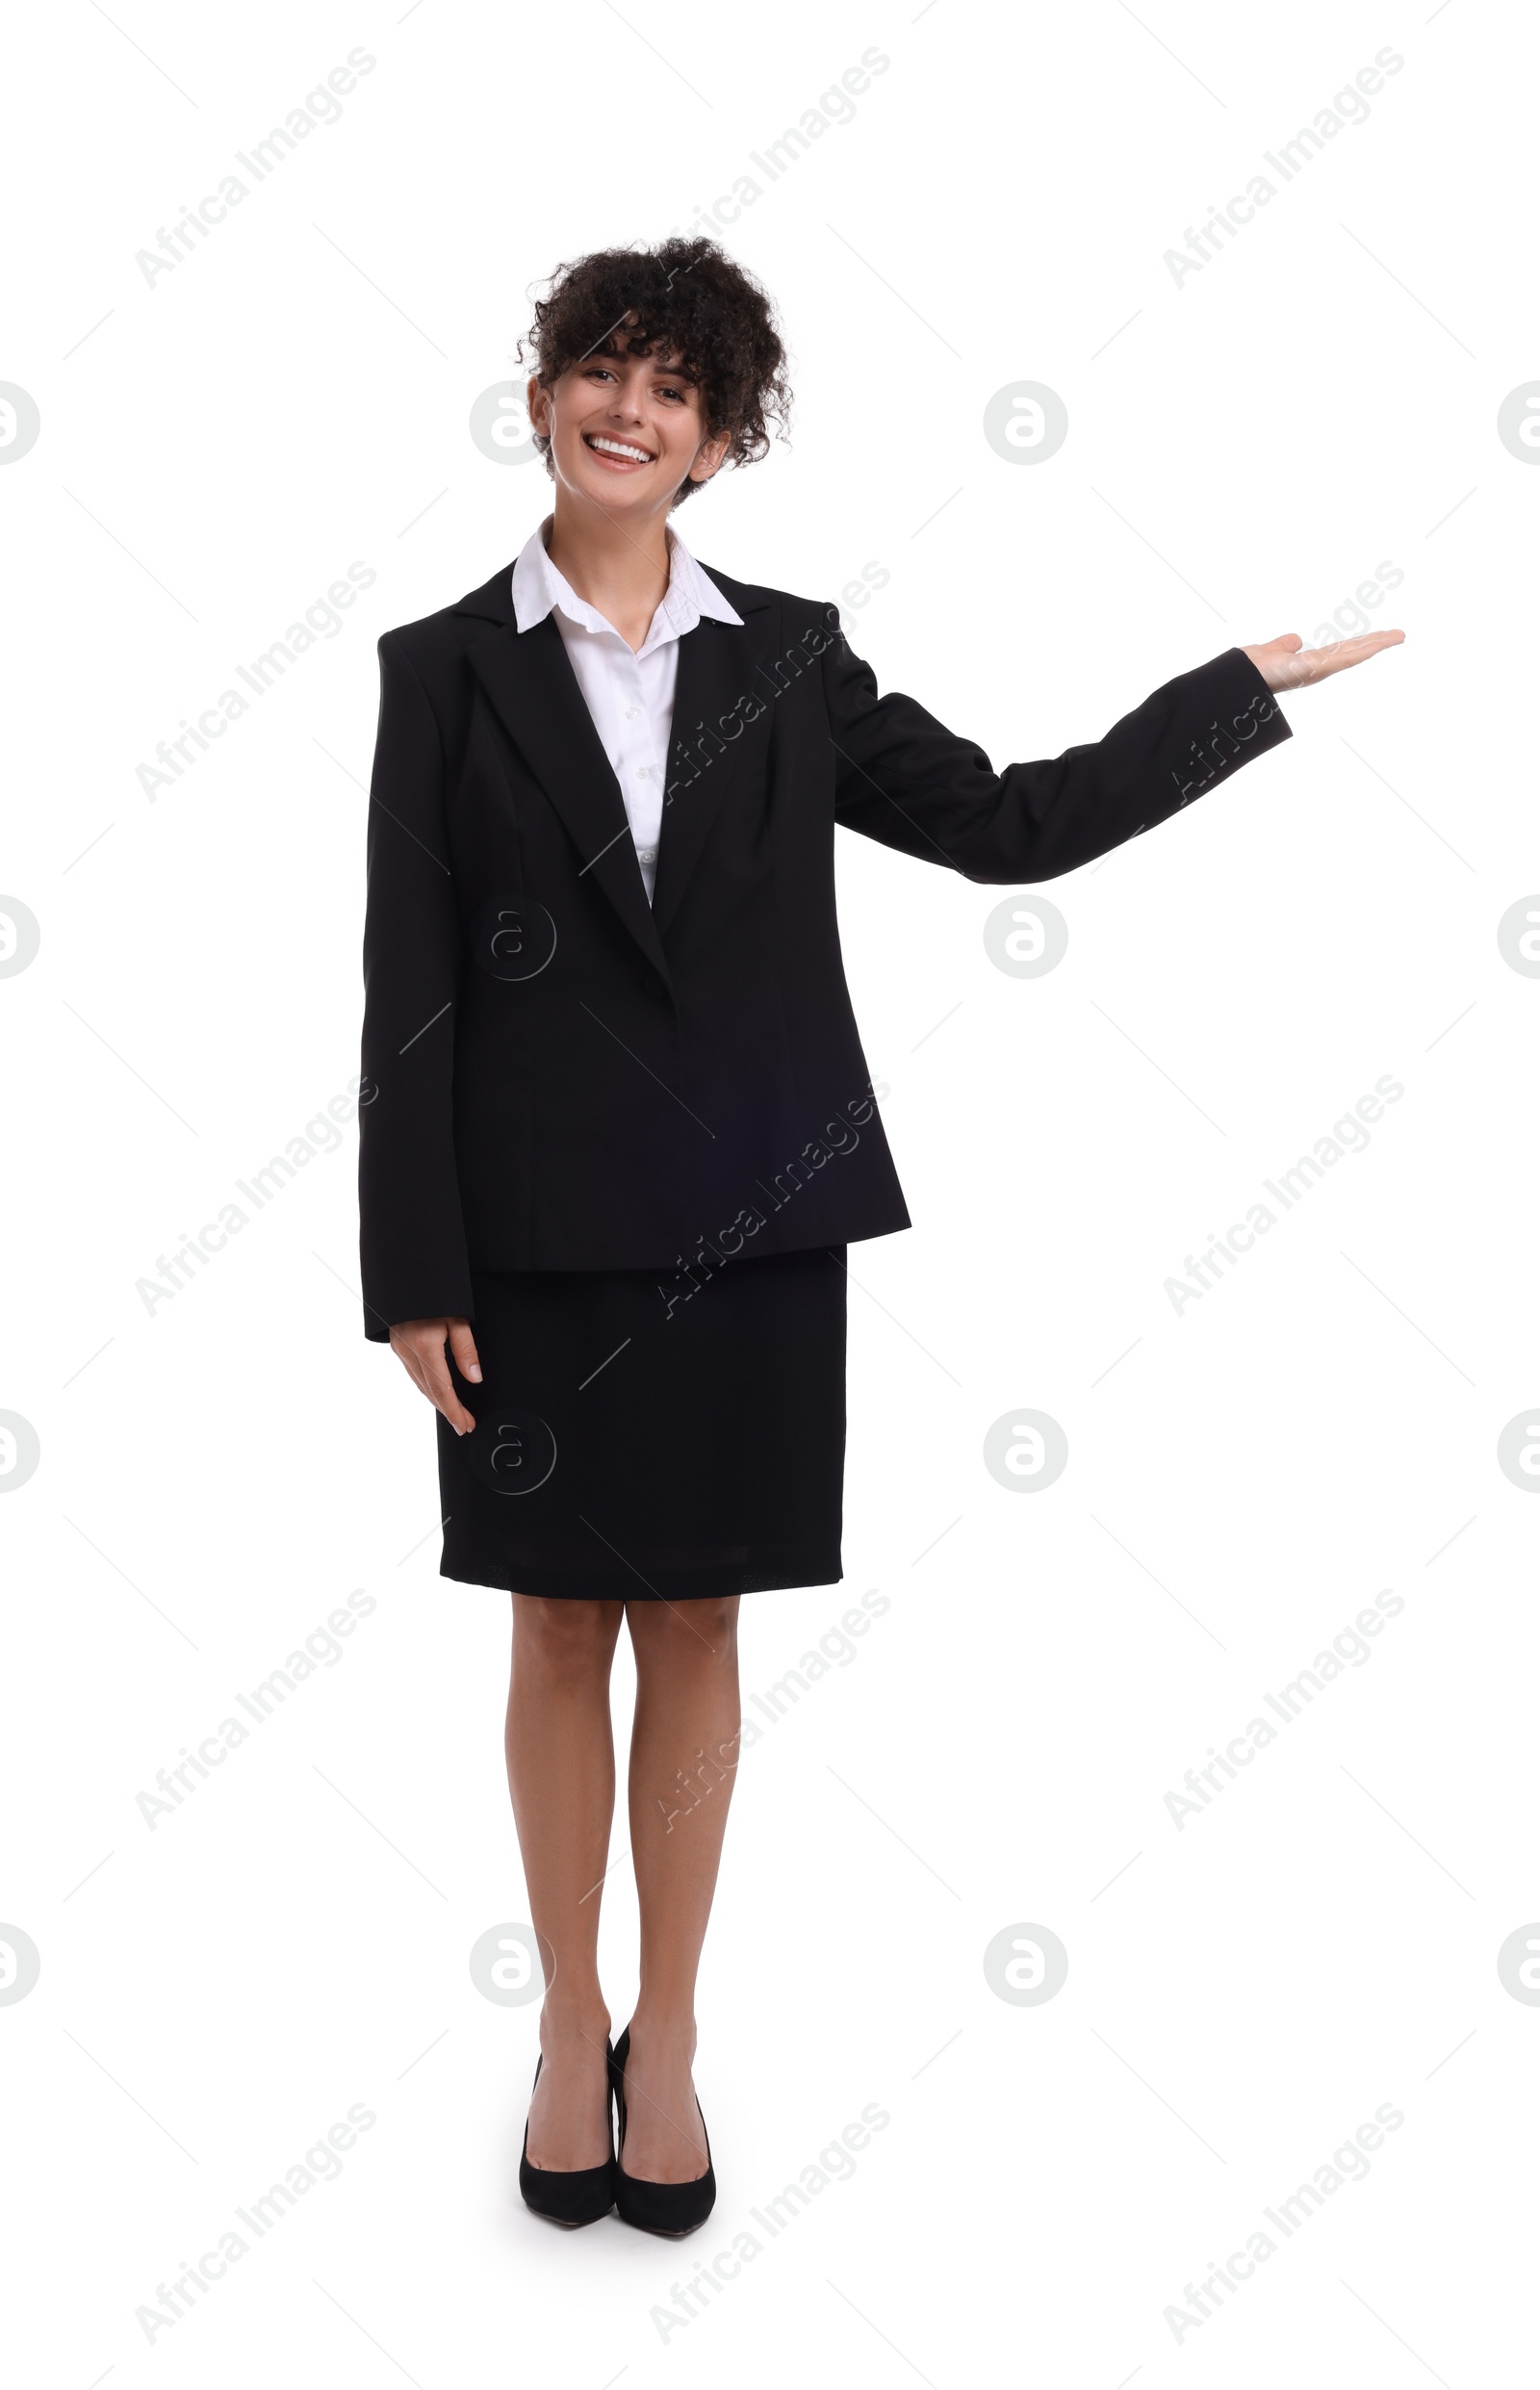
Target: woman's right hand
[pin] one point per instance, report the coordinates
(419, 1344)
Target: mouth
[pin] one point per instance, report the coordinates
(618, 455)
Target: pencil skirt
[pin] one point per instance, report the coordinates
(645, 1436)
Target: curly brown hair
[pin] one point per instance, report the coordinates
(685, 295)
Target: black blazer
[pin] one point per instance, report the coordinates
(557, 1075)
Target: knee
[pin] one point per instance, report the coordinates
(701, 1632)
(716, 1620)
(564, 1639)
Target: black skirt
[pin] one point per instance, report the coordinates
(642, 1436)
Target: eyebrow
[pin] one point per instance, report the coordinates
(622, 356)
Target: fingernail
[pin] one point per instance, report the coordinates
(474, 1373)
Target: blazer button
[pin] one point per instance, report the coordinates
(654, 987)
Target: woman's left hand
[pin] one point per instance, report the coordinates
(1287, 663)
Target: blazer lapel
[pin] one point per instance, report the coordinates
(713, 698)
(535, 693)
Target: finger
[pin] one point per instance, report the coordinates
(1354, 651)
(439, 1391)
(1344, 654)
(418, 1359)
(462, 1344)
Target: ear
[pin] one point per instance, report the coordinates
(537, 398)
(710, 457)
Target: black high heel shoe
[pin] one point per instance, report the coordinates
(579, 2197)
(668, 2207)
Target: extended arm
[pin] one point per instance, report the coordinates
(903, 778)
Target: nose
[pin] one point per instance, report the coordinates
(626, 402)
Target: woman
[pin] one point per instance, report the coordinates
(618, 1129)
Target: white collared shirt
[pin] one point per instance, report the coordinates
(629, 694)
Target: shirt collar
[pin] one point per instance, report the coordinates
(691, 592)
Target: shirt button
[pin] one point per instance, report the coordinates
(631, 712)
(642, 772)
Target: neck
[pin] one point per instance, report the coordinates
(619, 568)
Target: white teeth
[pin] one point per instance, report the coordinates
(618, 448)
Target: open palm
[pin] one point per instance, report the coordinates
(1287, 663)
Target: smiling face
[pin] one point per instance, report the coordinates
(625, 431)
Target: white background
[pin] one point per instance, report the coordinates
(1245, 449)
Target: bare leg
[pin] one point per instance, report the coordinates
(684, 1755)
(561, 1774)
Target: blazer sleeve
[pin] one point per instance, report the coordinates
(414, 1258)
(903, 778)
